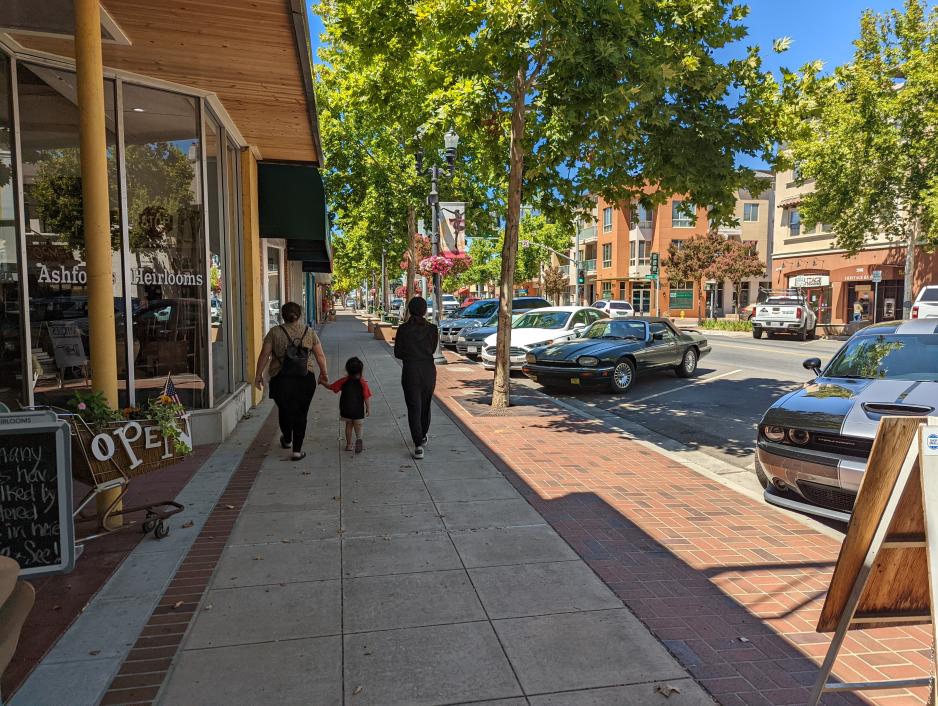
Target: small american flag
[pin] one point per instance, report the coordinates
(169, 389)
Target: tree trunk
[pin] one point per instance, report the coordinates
(411, 256)
(502, 388)
(908, 294)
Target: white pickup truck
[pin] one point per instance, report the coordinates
(926, 304)
(784, 313)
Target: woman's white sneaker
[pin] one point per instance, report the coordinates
(418, 452)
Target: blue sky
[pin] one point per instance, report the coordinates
(819, 29)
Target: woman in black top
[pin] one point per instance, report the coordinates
(415, 345)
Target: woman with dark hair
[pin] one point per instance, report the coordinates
(415, 345)
(290, 349)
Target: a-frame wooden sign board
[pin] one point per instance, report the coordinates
(887, 571)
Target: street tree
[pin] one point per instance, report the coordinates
(556, 284)
(574, 98)
(736, 261)
(690, 260)
(544, 236)
(867, 135)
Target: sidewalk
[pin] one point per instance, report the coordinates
(375, 579)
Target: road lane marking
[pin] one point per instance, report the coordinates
(775, 350)
(699, 381)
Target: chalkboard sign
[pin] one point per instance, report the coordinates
(36, 527)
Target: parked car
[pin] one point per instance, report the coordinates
(477, 313)
(784, 312)
(813, 444)
(450, 303)
(471, 341)
(614, 307)
(396, 304)
(403, 309)
(613, 353)
(350, 302)
(926, 303)
(541, 327)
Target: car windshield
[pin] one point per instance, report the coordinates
(616, 329)
(598, 305)
(543, 319)
(480, 310)
(492, 320)
(888, 357)
(929, 295)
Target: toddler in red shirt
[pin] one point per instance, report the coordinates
(354, 402)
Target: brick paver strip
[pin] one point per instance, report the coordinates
(147, 665)
(730, 585)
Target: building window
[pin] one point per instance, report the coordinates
(607, 290)
(607, 219)
(55, 237)
(169, 286)
(638, 253)
(607, 255)
(680, 219)
(743, 296)
(750, 212)
(622, 290)
(677, 244)
(644, 215)
(794, 222)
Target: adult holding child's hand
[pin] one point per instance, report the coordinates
(290, 350)
(415, 344)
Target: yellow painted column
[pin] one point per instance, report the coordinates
(96, 210)
(253, 264)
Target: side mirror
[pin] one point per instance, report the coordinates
(659, 336)
(813, 364)
(579, 327)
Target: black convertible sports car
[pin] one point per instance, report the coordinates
(613, 352)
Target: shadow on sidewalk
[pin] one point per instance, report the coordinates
(729, 646)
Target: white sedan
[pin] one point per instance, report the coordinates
(541, 327)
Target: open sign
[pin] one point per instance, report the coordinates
(129, 436)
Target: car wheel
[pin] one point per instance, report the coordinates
(803, 333)
(688, 364)
(813, 333)
(623, 376)
(756, 332)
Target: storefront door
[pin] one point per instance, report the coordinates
(819, 299)
(274, 290)
(859, 301)
(641, 297)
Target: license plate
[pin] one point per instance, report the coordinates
(473, 349)
(574, 381)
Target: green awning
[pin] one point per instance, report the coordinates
(292, 206)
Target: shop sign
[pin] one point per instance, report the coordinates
(67, 346)
(103, 446)
(860, 275)
(77, 275)
(681, 299)
(805, 281)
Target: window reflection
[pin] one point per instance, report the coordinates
(233, 165)
(55, 237)
(12, 391)
(168, 280)
(214, 178)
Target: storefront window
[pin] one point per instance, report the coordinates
(12, 390)
(681, 296)
(55, 236)
(167, 244)
(274, 287)
(216, 221)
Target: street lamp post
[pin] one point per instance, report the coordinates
(450, 143)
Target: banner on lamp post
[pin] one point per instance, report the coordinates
(452, 227)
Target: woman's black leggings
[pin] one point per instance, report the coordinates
(293, 396)
(418, 380)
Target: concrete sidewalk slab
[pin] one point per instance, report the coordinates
(374, 579)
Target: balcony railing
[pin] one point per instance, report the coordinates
(639, 271)
(590, 266)
(587, 235)
(564, 270)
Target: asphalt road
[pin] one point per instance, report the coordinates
(716, 411)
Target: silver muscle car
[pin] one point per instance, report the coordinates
(814, 443)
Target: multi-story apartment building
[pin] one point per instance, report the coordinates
(839, 286)
(629, 234)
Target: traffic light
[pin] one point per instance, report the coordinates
(581, 277)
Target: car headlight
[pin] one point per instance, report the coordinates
(530, 358)
(776, 434)
(799, 436)
(587, 361)
(461, 339)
